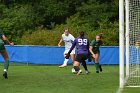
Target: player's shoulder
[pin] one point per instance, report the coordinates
(92, 42)
(71, 35)
(76, 39)
(63, 35)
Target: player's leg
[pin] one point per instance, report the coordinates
(72, 56)
(77, 64)
(65, 60)
(96, 62)
(77, 68)
(6, 63)
(100, 67)
(85, 66)
(84, 57)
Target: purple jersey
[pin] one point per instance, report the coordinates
(82, 45)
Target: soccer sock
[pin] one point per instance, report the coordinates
(97, 66)
(100, 67)
(6, 65)
(76, 68)
(66, 61)
(84, 65)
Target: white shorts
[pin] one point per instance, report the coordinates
(72, 52)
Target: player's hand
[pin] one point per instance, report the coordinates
(59, 45)
(67, 56)
(93, 56)
(11, 44)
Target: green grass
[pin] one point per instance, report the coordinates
(51, 79)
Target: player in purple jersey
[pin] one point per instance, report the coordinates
(82, 49)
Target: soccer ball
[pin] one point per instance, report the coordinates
(73, 71)
(65, 54)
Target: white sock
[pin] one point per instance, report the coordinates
(5, 70)
(66, 61)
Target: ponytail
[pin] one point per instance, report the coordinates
(100, 35)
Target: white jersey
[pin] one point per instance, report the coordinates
(68, 40)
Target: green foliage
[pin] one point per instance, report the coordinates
(41, 22)
(15, 21)
(42, 37)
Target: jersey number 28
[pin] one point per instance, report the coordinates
(82, 41)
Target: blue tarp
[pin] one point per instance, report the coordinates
(54, 55)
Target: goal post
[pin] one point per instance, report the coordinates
(127, 36)
(130, 26)
(121, 42)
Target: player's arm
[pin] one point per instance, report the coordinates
(59, 44)
(72, 38)
(72, 47)
(91, 52)
(4, 38)
(91, 48)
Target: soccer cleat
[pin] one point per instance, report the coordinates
(87, 72)
(79, 72)
(62, 66)
(100, 67)
(97, 71)
(73, 71)
(5, 75)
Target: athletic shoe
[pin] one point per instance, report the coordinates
(62, 66)
(73, 71)
(5, 75)
(100, 67)
(87, 72)
(79, 72)
(97, 71)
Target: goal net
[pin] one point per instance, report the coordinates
(133, 77)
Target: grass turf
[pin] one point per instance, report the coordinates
(51, 79)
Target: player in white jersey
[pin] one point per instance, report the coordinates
(68, 40)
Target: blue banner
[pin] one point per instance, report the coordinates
(54, 55)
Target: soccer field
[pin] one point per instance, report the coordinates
(51, 79)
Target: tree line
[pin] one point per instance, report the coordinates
(41, 22)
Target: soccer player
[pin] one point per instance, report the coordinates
(95, 52)
(3, 52)
(68, 39)
(82, 49)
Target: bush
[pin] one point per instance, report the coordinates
(52, 37)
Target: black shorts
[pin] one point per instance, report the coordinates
(81, 57)
(96, 52)
(2, 47)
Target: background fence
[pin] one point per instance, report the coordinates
(54, 55)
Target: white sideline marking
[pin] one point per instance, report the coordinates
(133, 86)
